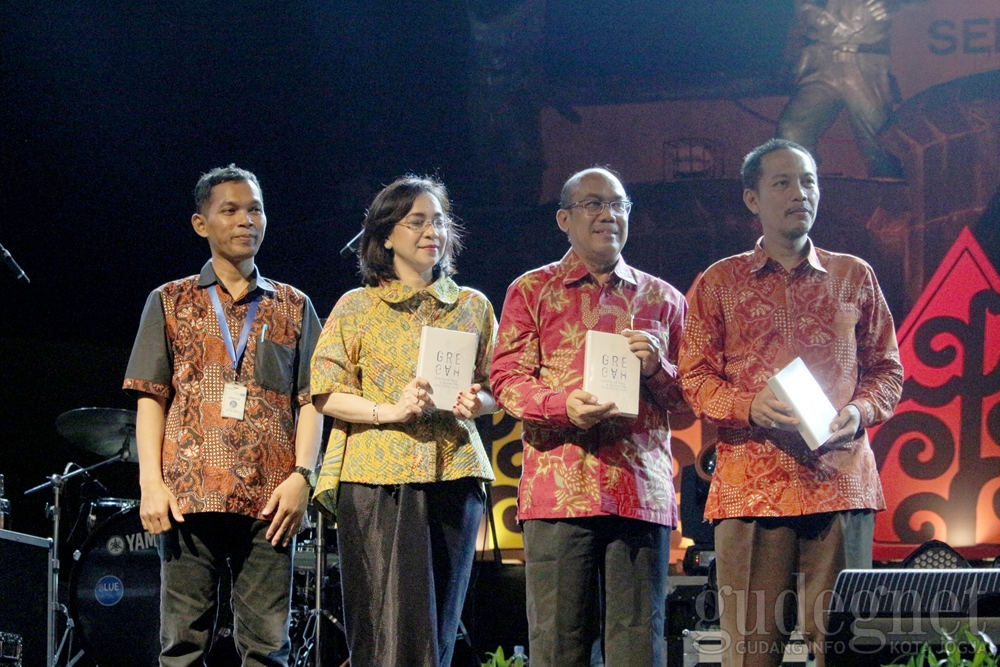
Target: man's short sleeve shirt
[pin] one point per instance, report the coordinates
(213, 463)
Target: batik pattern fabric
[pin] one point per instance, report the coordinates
(213, 463)
(369, 347)
(621, 466)
(749, 318)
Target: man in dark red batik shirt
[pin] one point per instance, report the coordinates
(596, 496)
(786, 517)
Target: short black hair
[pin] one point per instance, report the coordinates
(391, 205)
(232, 173)
(752, 169)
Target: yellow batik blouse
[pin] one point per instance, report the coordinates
(369, 348)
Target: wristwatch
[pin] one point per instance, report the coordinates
(310, 475)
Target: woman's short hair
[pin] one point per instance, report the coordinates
(389, 207)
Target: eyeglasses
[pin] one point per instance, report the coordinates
(419, 226)
(596, 207)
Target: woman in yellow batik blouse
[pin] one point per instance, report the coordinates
(403, 470)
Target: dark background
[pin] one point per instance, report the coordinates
(111, 110)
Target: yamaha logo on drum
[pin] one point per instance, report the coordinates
(116, 545)
(136, 541)
(143, 540)
(109, 590)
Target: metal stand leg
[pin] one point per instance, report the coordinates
(310, 651)
(56, 609)
(67, 636)
(318, 602)
(54, 512)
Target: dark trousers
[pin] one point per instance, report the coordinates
(776, 572)
(194, 557)
(405, 560)
(574, 567)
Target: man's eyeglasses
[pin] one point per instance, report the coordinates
(596, 207)
(419, 226)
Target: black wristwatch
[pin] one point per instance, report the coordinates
(310, 475)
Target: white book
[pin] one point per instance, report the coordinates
(795, 385)
(611, 371)
(447, 359)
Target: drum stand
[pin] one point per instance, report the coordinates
(317, 613)
(53, 511)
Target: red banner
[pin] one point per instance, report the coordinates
(939, 455)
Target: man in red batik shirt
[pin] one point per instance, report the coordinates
(787, 518)
(596, 496)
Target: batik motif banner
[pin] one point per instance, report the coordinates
(939, 455)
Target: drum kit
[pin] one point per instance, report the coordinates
(114, 584)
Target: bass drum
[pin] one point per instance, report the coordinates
(102, 509)
(115, 593)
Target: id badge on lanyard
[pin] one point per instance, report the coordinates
(234, 394)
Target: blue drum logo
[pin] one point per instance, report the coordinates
(109, 590)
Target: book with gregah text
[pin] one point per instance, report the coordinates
(611, 371)
(447, 360)
(795, 385)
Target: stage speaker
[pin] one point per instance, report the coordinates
(934, 555)
(878, 615)
(25, 578)
(690, 607)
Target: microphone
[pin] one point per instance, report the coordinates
(96, 482)
(351, 247)
(125, 453)
(18, 272)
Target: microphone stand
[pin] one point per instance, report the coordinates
(352, 245)
(53, 511)
(317, 613)
(320, 574)
(8, 259)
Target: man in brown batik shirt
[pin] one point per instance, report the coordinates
(226, 433)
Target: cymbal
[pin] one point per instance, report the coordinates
(101, 431)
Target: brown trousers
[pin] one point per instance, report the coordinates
(766, 564)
